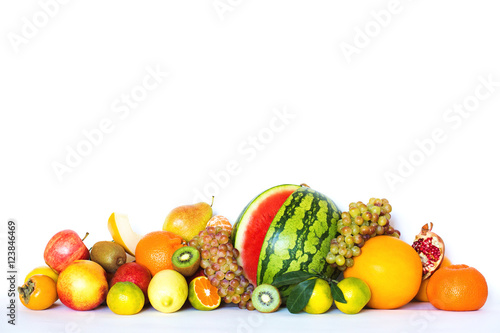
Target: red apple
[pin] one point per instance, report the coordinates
(82, 285)
(135, 273)
(64, 248)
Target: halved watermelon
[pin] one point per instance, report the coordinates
(253, 223)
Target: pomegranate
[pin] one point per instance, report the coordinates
(430, 248)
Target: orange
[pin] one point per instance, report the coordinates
(220, 221)
(38, 293)
(203, 295)
(155, 250)
(422, 292)
(391, 268)
(457, 288)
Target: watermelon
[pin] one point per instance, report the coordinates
(286, 228)
(299, 236)
(251, 226)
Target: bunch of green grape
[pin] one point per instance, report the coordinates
(361, 223)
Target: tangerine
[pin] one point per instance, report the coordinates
(220, 221)
(391, 268)
(155, 250)
(457, 288)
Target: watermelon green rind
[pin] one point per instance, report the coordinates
(299, 236)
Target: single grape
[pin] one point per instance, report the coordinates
(236, 298)
(349, 262)
(224, 284)
(367, 216)
(219, 275)
(348, 253)
(340, 260)
(375, 210)
(346, 231)
(204, 263)
(230, 275)
(354, 212)
(209, 271)
(379, 230)
(340, 239)
(222, 292)
(342, 252)
(330, 257)
(334, 249)
(239, 289)
(364, 230)
(349, 240)
(355, 229)
(356, 251)
(357, 239)
(345, 215)
(234, 282)
(382, 221)
(222, 260)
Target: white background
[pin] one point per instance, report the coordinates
(350, 119)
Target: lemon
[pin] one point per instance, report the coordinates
(167, 291)
(321, 299)
(356, 293)
(44, 270)
(125, 298)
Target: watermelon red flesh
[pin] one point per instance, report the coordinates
(252, 226)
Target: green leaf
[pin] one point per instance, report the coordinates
(292, 278)
(337, 294)
(300, 295)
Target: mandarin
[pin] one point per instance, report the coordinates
(457, 288)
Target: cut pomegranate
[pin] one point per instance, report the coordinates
(430, 248)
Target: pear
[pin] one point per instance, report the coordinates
(187, 221)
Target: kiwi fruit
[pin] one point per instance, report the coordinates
(109, 255)
(266, 298)
(186, 260)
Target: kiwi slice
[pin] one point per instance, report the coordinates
(266, 298)
(109, 255)
(186, 260)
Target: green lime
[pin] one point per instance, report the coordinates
(125, 298)
(356, 293)
(321, 299)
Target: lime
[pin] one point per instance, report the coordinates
(321, 299)
(356, 293)
(125, 298)
(167, 291)
(202, 295)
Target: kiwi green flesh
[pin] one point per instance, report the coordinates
(266, 298)
(186, 260)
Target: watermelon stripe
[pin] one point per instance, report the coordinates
(307, 219)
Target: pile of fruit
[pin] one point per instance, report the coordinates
(289, 246)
